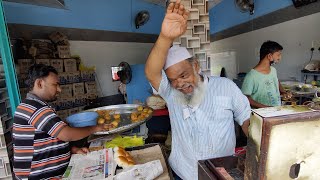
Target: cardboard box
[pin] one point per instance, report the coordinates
(59, 38)
(66, 103)
(63, 51)
(88, 76)
(66, 90)
(73, 111)
(69, 77)
(43, 61)
(90, 87)
(78, 88)
(92, 96)
(63, 114)
(24, 65)
(64, 78)
(22, 80)
(70, 65)
(75, 77)
(57, 64)
(80, 100)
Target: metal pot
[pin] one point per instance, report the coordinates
(315, 103)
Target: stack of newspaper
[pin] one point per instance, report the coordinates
(94, 165)
(98, 165)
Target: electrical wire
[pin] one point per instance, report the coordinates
(95, 74)
(311, 56)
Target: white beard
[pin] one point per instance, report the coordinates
(192, 99)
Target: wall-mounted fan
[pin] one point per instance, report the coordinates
(141, 18)
(245, 5)
(124, 73)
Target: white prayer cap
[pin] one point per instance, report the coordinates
(176, 54)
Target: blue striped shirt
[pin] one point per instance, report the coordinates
(209, 130)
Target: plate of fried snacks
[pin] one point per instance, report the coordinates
(122, 117)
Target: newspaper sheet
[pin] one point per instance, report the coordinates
(94, 165)
(149, 154)
(147, 171)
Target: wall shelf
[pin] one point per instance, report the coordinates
(193, 42)
(305, 74)
(201, 56)
(205, 46)
(198, 2)
(199, 29)
(197, 36)
(194, 14)
(203, 18)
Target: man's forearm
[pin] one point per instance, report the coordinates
(281, 89)
(157, 58)
(255, 104)
(245, 127)
(73, 134)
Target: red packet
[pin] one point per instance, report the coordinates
(240, 150)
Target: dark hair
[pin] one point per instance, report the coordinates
(269, 47)
(38, 71)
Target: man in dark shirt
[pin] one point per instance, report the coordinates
(40, 138)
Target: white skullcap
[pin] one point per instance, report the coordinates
(176, 54)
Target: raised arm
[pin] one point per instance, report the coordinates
(173, 26)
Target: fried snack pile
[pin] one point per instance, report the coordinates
(108, 117)
(123, 158)
(141, 114)
(112, 119)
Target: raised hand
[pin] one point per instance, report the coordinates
(175, 21)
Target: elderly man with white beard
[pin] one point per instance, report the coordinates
(202, 109)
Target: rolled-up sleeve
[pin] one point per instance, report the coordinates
(45, 119)
(241, 106)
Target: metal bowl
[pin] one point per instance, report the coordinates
(125, 123)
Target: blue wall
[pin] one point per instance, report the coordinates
(226, 15)
(111, 15)
(139, 87)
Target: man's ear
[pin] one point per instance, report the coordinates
(269, 56)
(196, 65)
(38, 83)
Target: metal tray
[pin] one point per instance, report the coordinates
(125, 123)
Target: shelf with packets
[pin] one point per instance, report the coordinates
(73, 97)
(6, 146)
(5, 170)
(77, 87)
